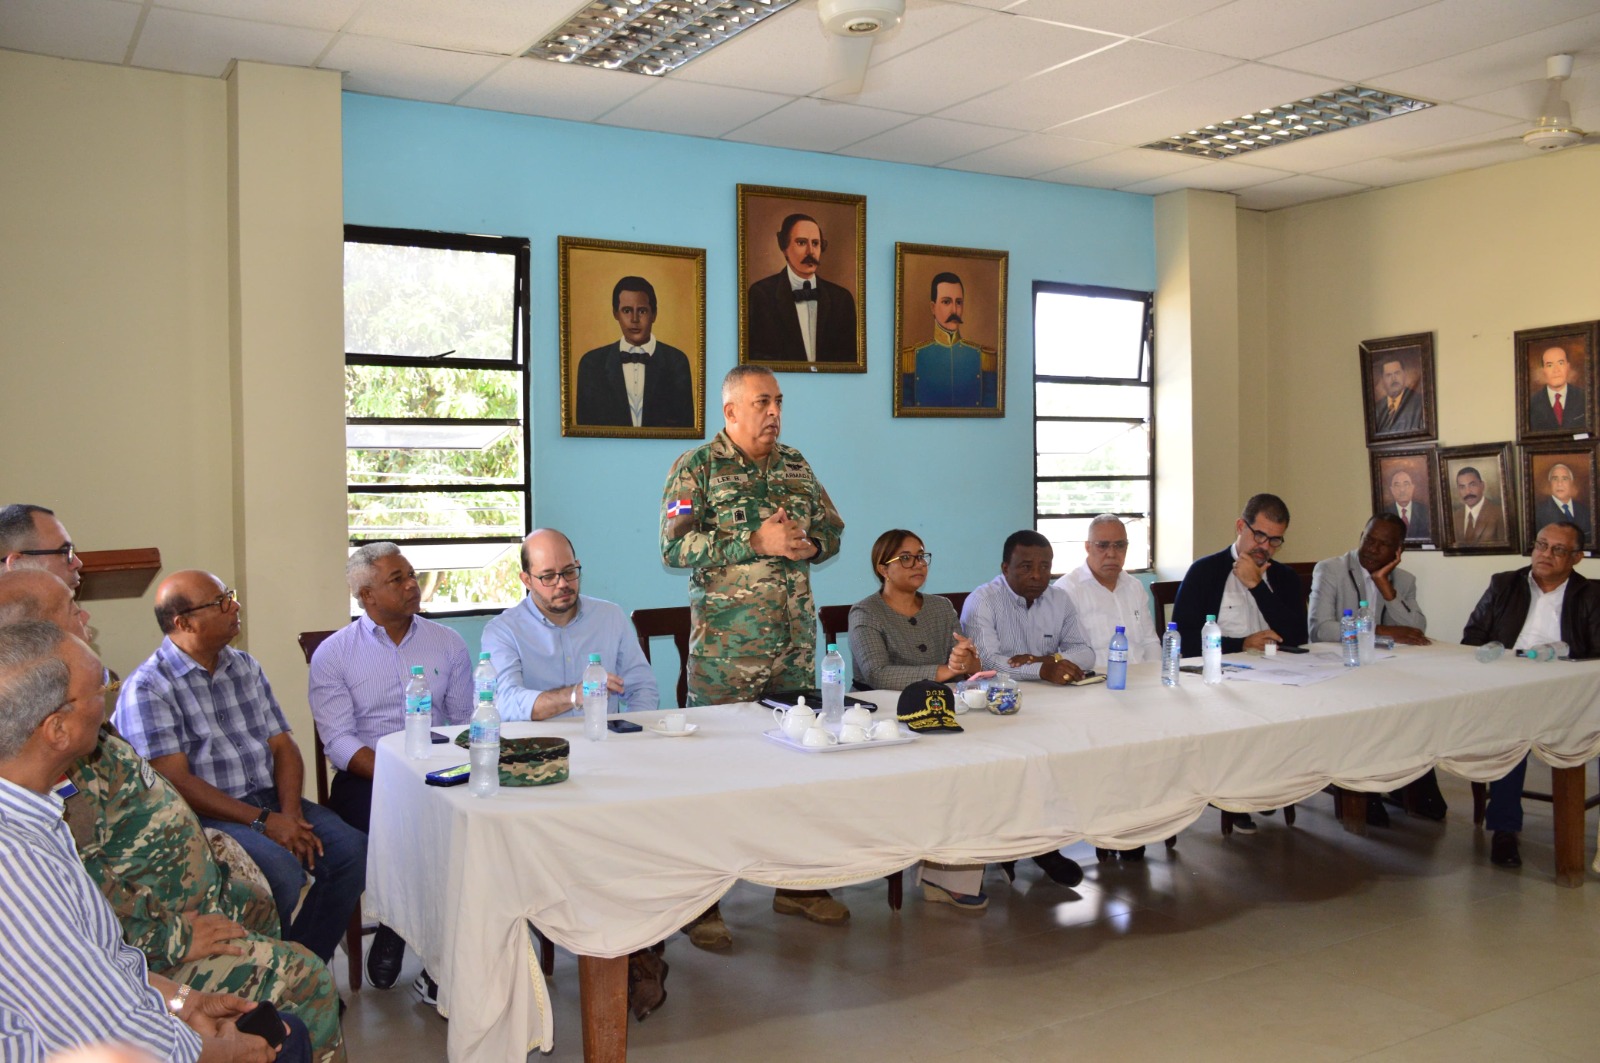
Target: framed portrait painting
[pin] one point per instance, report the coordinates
(633, 339)
(802, 280)
(949, 331)
(1397, 388)
(1403, 480)
(1557, 485)
(1554, 370)
(1478, 499)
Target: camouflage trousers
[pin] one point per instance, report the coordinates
(723, 680)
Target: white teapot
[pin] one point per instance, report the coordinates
(857, 716)
(795, 720)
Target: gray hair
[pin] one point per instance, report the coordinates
(736, 378)
(1105, 518)
(21, 596)
(33, 681)
(16, 526)
(358, 569)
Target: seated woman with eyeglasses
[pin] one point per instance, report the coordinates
(900, 636)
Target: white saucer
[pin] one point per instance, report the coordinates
(688, 729)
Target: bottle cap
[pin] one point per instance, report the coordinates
(486, 695)
(1348, 612)
(484, 656)
(1211, 618)
(1172, 626)
(1363, 603)
(1121, 629)
(416, 669)
(594, 658)
(833, 647)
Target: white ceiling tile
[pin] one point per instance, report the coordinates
(1213, 177)
(927, 142)
(1405, 132)
(1123, 168)
(787, 53)
(1029, 154)
(1441, 29)
(1130, 17)
(1293, 190)
(1126, 72)
(1503, 64)
(205, 44)
(817, 125)
(690, 108)
(997, 50)
(96, 30)
(1250, 29)
(385, 68)
(506, 27)
(1525, 101)
(1500, 145)
(555, 90)
(1240, 90)
(925, 20)
(307, 14)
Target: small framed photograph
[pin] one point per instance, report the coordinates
(1397, 387)
(1557, 485)
(949, 331)
(1403, 480)
(1477, 498)
(1555, 381)
(802, 280)
(633, 340)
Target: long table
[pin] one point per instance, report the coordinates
(649, 831)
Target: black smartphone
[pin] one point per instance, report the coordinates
(262, 1020)
(1283, 648)
(449, 776)
(438, 739)
(623, 727)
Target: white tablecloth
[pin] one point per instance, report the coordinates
(649, 830)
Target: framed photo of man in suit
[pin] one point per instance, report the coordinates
(1557, 485)
(1477, 499)
(633, 339)
(1397, 387)
(1403, 480)
(1555, 381)
(949, 331)
(802, 280)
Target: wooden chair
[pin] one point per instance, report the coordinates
(309, 641)
(671, 622)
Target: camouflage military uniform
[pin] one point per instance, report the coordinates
(753, 624)
(144, 848)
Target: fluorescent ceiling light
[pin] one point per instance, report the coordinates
(1328, 112)
(649, 36)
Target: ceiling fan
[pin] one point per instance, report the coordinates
(1551, 131)
(852, 27)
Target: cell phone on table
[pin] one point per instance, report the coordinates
(449, 776)
(438, 739)
(1286, 648)
(263, 1021)
(623, 727)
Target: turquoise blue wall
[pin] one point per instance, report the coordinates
(962, 484)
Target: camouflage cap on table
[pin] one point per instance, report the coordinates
(538, 761)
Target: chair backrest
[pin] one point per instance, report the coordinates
(1304, 569)
(958, 599)
(1163, 593)
(671, 622)
(835, 624)
(309, 641)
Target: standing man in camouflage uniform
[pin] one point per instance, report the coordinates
(748, 516)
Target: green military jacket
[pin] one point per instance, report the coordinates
(742, 604)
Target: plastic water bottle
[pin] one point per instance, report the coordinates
(1211, 651)
(1171, 656)
(1545, 651)
(483, 675)
(1489, 651)
(419, 716)
(833, 685)
(1350, 638)
(595, 700)
(1366, 633)
(1117, 660)
(484, 746)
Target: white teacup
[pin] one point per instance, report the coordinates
(857, 716)
(884, 730)
(816, 736)
(974, 697)
(795, 720)
(852, 732)
(673, 721)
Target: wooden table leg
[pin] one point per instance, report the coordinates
(1353, 811)
(603, 992)
(1566, 798)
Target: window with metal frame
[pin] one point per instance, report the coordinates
(1094, 416)
(436, 384)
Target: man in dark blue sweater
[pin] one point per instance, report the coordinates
(1254, 600)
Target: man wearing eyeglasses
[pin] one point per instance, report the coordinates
(1563, 502)
(1544, 602)
(1255, 600)
(32, 537)
(204, 716)
(1106, 598)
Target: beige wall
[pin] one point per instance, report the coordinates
(1473, 258)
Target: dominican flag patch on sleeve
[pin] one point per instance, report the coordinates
(680, 507)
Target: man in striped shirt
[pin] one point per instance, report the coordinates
(66, 976)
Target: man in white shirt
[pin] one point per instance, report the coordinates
(1106, 598)
(1543, 603)
(638, 381)
(796, 315)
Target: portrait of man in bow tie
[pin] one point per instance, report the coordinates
(804, 315)
(1397, 374)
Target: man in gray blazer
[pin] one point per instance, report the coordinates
(1371, 573)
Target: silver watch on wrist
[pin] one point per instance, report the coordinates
(176, 1002)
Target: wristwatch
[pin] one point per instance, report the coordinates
(176, 1002)
(259, 824)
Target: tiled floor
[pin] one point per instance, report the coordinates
(1296, 944)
